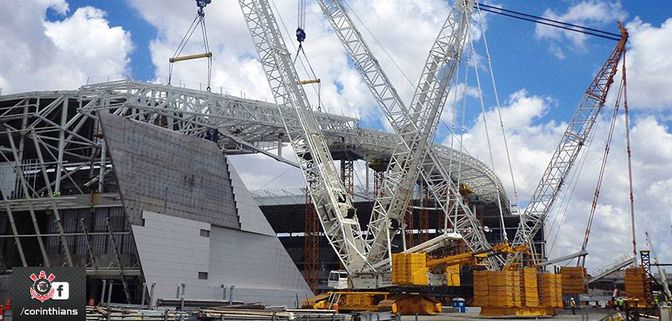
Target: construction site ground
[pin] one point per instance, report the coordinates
(472, 314)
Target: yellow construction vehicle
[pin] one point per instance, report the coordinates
(420, 269)
(410, 270)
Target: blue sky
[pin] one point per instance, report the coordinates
(519, 59)
(541, 75)
(120, 13)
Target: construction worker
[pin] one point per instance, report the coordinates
(619, 304)
(572, 304)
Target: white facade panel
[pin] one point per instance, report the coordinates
(251, 217)
(172, 251)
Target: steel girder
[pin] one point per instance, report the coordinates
(237, 125)
(245, 125)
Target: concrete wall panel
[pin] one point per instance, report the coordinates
(163, 171)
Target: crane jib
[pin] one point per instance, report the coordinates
(570, 145)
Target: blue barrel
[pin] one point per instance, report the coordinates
(460, 304)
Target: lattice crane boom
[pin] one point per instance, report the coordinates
(416, 130)
(332, 202)
(438, 180)
(568, 149)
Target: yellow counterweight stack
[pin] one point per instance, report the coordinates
(516, 292)
(573, 280)
(409, 269)
(530, 288)
(550, 290)
(500, 288)
(453, 275)
(634, 285)
(481, 297)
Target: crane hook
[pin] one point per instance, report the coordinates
(300, 35)
(201, 4)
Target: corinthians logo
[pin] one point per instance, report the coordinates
(42, 289)
(43, 293)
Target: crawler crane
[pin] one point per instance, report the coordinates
(367, 261)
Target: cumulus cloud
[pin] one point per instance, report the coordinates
(236, 68)
(532, 138)
(592, 13)
(649, 67)
(57, 54)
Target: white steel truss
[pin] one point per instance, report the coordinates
(330, 198)
(238, 126)
(416, 127)
(435, 175)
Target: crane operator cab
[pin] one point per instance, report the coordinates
(338, 280)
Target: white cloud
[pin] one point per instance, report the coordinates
(591, 13)
(649, 66)
(532, 138)
(262, 172)
(61, 54)
(343, 92)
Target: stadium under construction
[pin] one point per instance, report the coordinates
(134, 182)
(115, 170)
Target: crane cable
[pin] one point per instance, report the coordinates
(461, 137)
(300, 38)
(550, 22)
(487, 136)
(629, 153)
(498, 108)
(561, 210)
(596, 195)
(199, 21)
(301, 14)
(288, 34)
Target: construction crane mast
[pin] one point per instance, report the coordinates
(565, 154)
(437, 178)
(416, 126)
(416, 132)
(332, 202)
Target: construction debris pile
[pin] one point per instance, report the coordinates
(100, 313)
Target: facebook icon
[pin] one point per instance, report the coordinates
(54, 293)
(62, 290)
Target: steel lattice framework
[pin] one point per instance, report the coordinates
(332, 201)
(414, 127)
(238, 126)
(247, 126)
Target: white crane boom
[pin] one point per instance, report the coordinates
(565, 154)
(332, 202)
(416, 129)
(437, 178)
